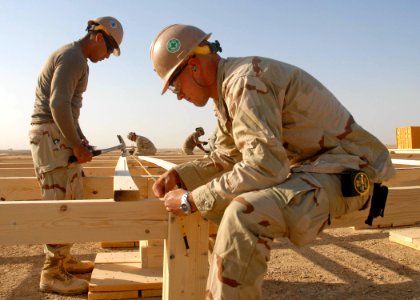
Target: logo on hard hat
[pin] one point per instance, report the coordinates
(113, 24)
(173, 45)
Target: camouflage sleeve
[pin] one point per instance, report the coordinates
(257, 134)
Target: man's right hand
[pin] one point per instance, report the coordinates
(166, 182)
(82, 153)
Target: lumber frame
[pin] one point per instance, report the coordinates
(38, 222)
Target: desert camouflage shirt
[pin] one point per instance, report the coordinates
(273, 119)
(191, 141)
(144, 143)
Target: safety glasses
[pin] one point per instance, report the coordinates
(174, 86)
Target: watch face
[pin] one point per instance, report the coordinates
(184, 207)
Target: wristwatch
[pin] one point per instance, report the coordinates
(185, 205)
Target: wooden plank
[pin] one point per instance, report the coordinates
(406, 162)
(191, 282)
(408, 237)
(27, 188)
(404, 151)
(64, 221)
(158, 162)
(124, 186)
(402, 208)
(124, 277)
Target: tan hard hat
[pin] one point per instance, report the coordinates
(112, 27)
(172, 47)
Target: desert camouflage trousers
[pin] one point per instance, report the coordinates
(58, 179)
(297, 209)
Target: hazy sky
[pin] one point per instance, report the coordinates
(366, 52)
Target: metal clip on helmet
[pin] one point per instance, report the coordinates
(172, 47)
(112, 28)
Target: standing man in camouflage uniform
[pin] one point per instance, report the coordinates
(193, 141)
(55, 135)
(284, 142)
(144, 146)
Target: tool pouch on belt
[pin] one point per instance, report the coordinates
(377, 205)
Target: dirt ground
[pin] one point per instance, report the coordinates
(340, 264)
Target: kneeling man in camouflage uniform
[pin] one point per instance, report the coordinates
(285, 153)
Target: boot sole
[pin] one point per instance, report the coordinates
(47, 289)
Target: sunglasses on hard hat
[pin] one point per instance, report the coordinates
(175, 88)
(109, 47)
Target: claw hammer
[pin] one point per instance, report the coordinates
(121, 147)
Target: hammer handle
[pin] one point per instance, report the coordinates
(73, 158)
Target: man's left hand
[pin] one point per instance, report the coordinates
(173, 202)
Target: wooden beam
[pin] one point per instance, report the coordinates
(124, 185)
(402, 208)
(408, 176)
(65, 221)
(17, 172)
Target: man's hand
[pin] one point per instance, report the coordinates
(166, 182)
(82, 153)
(205, 143)
(173, 202)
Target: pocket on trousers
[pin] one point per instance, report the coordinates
(48, 150)
(41, 148)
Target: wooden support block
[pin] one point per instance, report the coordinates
(151, 256)
(408, 237)
(124, 277)
(117, 257)
(125, 188)
(113, 295)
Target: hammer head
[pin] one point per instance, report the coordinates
(124, 151)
